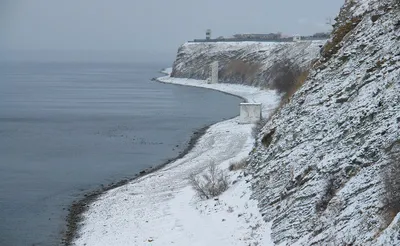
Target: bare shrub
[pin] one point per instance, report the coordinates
(391, 179)
(210, 184)
(234, 166)
(284, 74)
(287, 77)
(291, 90)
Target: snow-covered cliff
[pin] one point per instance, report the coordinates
(321, 166)
(324, 168)
(241, 62)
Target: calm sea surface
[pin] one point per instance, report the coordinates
(67, 128)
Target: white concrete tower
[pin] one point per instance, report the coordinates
(214, 72)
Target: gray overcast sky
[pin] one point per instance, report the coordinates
(150, 25)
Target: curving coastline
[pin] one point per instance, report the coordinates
(80, 206)
(134, 212)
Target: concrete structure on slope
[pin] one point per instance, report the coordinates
(250, 113)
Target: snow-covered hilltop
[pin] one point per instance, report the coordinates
(323, 167)
(241, 62)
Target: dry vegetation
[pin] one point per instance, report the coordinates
(284, 73)
(288, 77)
(333, 46)
(210, 184)
(243, 72)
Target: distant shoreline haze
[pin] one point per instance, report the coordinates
(85, 56)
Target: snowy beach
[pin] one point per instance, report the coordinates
(161, 208)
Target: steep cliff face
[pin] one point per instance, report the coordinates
(247, 63)
(321, 165)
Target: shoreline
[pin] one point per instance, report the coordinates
(223, 92)
(79, 207)
(131, 212)
(168, 73)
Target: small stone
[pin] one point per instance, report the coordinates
(342, 100)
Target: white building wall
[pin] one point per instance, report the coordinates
(250, 113)
(297, 38)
